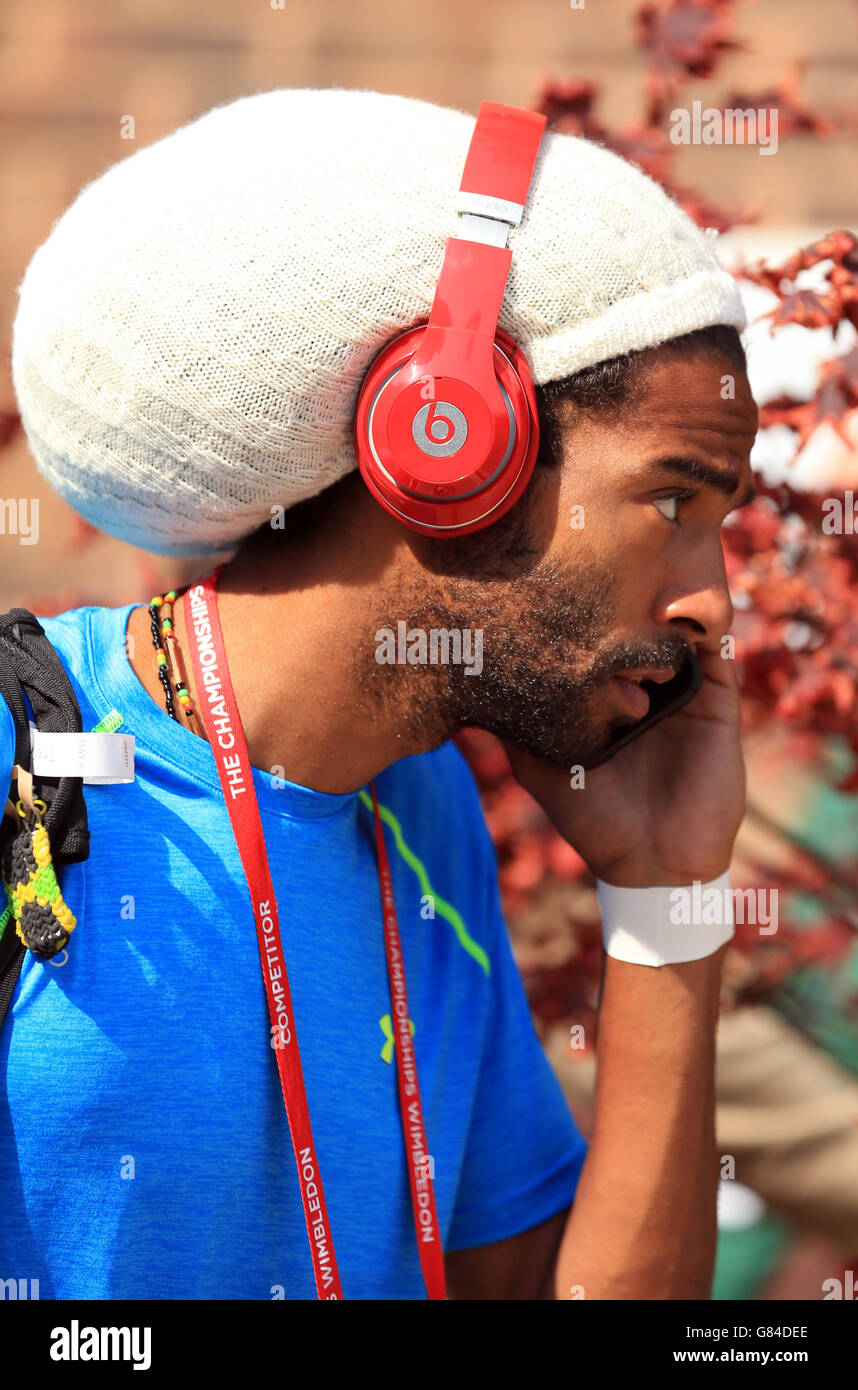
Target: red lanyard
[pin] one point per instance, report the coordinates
(219, 713)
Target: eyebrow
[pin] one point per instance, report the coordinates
(695, 470)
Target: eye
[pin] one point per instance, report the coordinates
(669, 504)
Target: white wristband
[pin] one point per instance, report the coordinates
(665, 925)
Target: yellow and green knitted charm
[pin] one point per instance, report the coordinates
(43, 921)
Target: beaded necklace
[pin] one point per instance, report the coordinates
(169, 658)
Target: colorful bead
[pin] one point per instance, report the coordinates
(167, 654)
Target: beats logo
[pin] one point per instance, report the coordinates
(439, 429)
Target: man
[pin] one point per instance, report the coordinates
(149, 1140)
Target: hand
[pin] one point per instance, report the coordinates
(667, 808)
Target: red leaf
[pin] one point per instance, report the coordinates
(807, 308)
(683, 40)
(831, 406)
(793, 114)
(568, 107)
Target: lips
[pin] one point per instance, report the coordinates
(634, 697)
(632, 693)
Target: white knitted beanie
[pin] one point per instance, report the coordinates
(191, 337)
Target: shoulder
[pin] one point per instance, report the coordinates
(69, 634)
(88, 641)
(65, 633)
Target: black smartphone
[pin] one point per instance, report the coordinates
(664, 700)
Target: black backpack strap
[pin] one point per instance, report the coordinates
(10, 689)
(29, 663)
(27, 657)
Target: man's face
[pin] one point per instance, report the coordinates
(612, 566)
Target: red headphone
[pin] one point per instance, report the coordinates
(445, 427)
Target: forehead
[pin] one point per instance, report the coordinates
(704, 400)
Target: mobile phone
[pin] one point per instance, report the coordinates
(664, 700)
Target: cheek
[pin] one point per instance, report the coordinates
(587, 507)
(593, 526)
(616, 538)
(621, 533)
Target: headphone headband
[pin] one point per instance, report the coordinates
(500, 160)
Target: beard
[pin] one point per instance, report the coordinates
(547, 657)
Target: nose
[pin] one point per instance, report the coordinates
(698, 605)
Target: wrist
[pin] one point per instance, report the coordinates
(647, 873)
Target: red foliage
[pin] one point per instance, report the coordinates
(794, 116)
(568, 105)
(682, 39)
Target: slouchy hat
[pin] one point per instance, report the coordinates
(191, 337)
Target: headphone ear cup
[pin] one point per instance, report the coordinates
(380, 374)
(444, 508)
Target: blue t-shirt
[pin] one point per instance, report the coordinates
(144, 1146)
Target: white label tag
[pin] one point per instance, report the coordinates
(94, 757)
